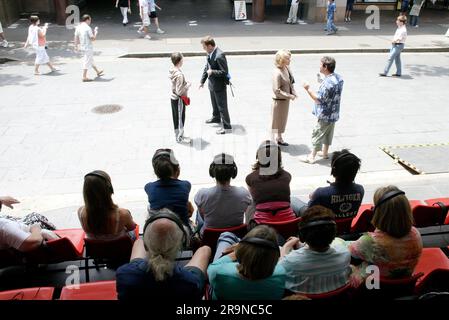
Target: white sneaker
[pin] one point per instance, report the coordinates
(5, 44)
(140, 32)
(147, 37)
(160, 31)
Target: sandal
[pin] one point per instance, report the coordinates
(320, 154)
(87, 80)
(307, 160)
(99, 74)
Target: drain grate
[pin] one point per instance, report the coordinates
(107, 109)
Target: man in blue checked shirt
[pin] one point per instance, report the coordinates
(326, 109)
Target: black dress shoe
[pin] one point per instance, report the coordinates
(282, 143)
(221, 131)
(395, 75)
(212, 120)
(382, 75)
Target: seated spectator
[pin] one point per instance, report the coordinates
(19, 236)
(169, 192)
(320, 262)
(269, 185)
(250, 269)
(224, 205)
(153, 273)
(344, 196)
(100, 218)
(395, 245)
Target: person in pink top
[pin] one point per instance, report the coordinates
(269, 185)
(395, 245)
(37, 39)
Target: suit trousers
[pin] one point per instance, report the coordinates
(220, 107)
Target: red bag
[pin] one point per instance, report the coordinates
(186, 100)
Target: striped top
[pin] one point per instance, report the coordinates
(309, 271)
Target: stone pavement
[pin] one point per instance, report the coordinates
(49, 136)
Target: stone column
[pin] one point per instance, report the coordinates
(60, 6)
(258, 10)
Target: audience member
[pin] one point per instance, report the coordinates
(169, 192)
(223, 205)
(320, 262)
(153, 272)
(249, 270)
(269, 185)
(100, 218)
(395, 245)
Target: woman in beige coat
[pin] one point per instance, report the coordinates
(283, 92)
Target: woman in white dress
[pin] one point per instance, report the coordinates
(37, 39)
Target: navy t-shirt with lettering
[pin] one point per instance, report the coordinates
(343, 201)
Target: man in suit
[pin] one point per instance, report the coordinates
(217, 71)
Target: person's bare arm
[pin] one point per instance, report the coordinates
(138, 251)
(291, 243)
(33, 241)
(8, 201)
(129, 222)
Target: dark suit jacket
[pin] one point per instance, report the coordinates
(219, 65)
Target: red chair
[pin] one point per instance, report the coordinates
(10, 257)
(69, 247)
(101, 290)
(435, 281)
(285, 228)
(390, 288)
(42, 293)
(211, 235)
(445, 202)
(362, 222)
(431, 259)
(341, 293)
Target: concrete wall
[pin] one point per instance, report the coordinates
(9, 11)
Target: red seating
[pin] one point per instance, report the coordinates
(435, 281)
(414, 203)
(444, 201)
(210, 235)
(426, 216)
(431, 259)
(42, 293)
(340, 293)
(286, 228)
(101, 290)
(69, 247)
(362, 222)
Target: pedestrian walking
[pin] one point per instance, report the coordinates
(349, 7)
(37, 39)
(326, 109)
(125, 8)
(293, 13)
(179, 96)
(84, 37)
(3, 41)
(330, 27)
(216, 70)
(153, 15)
(415, 12)
(283, 92)
(397, 46)
(404, 7)
(144, 15)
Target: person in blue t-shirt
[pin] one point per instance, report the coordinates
(169, 192)
(153, 274)
(331, 8)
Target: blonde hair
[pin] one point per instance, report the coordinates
(394, 216)
(281, 57)
(163, 240)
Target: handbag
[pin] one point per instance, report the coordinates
(186, 100)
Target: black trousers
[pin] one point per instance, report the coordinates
(175, 113)
(220, 107)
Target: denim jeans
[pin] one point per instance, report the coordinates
(395, 55)
(414, 20)
(225, 240)
(331, 26)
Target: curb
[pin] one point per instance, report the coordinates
(143, 55)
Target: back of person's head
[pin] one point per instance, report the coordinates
(223, 168)
(97, 194)
(85, 18)
(345, 166)
(34, 19)
(176, 57)
(258, 253)
(402, 19)
(394, 215)
(163, 240)
(208, 41)
(268, 158)
(165, 164)
(329, 63)
(317, 227)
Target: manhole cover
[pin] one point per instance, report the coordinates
(107, 108)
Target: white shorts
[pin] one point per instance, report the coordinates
(145, 19)
(41, 56)
(88, 59)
